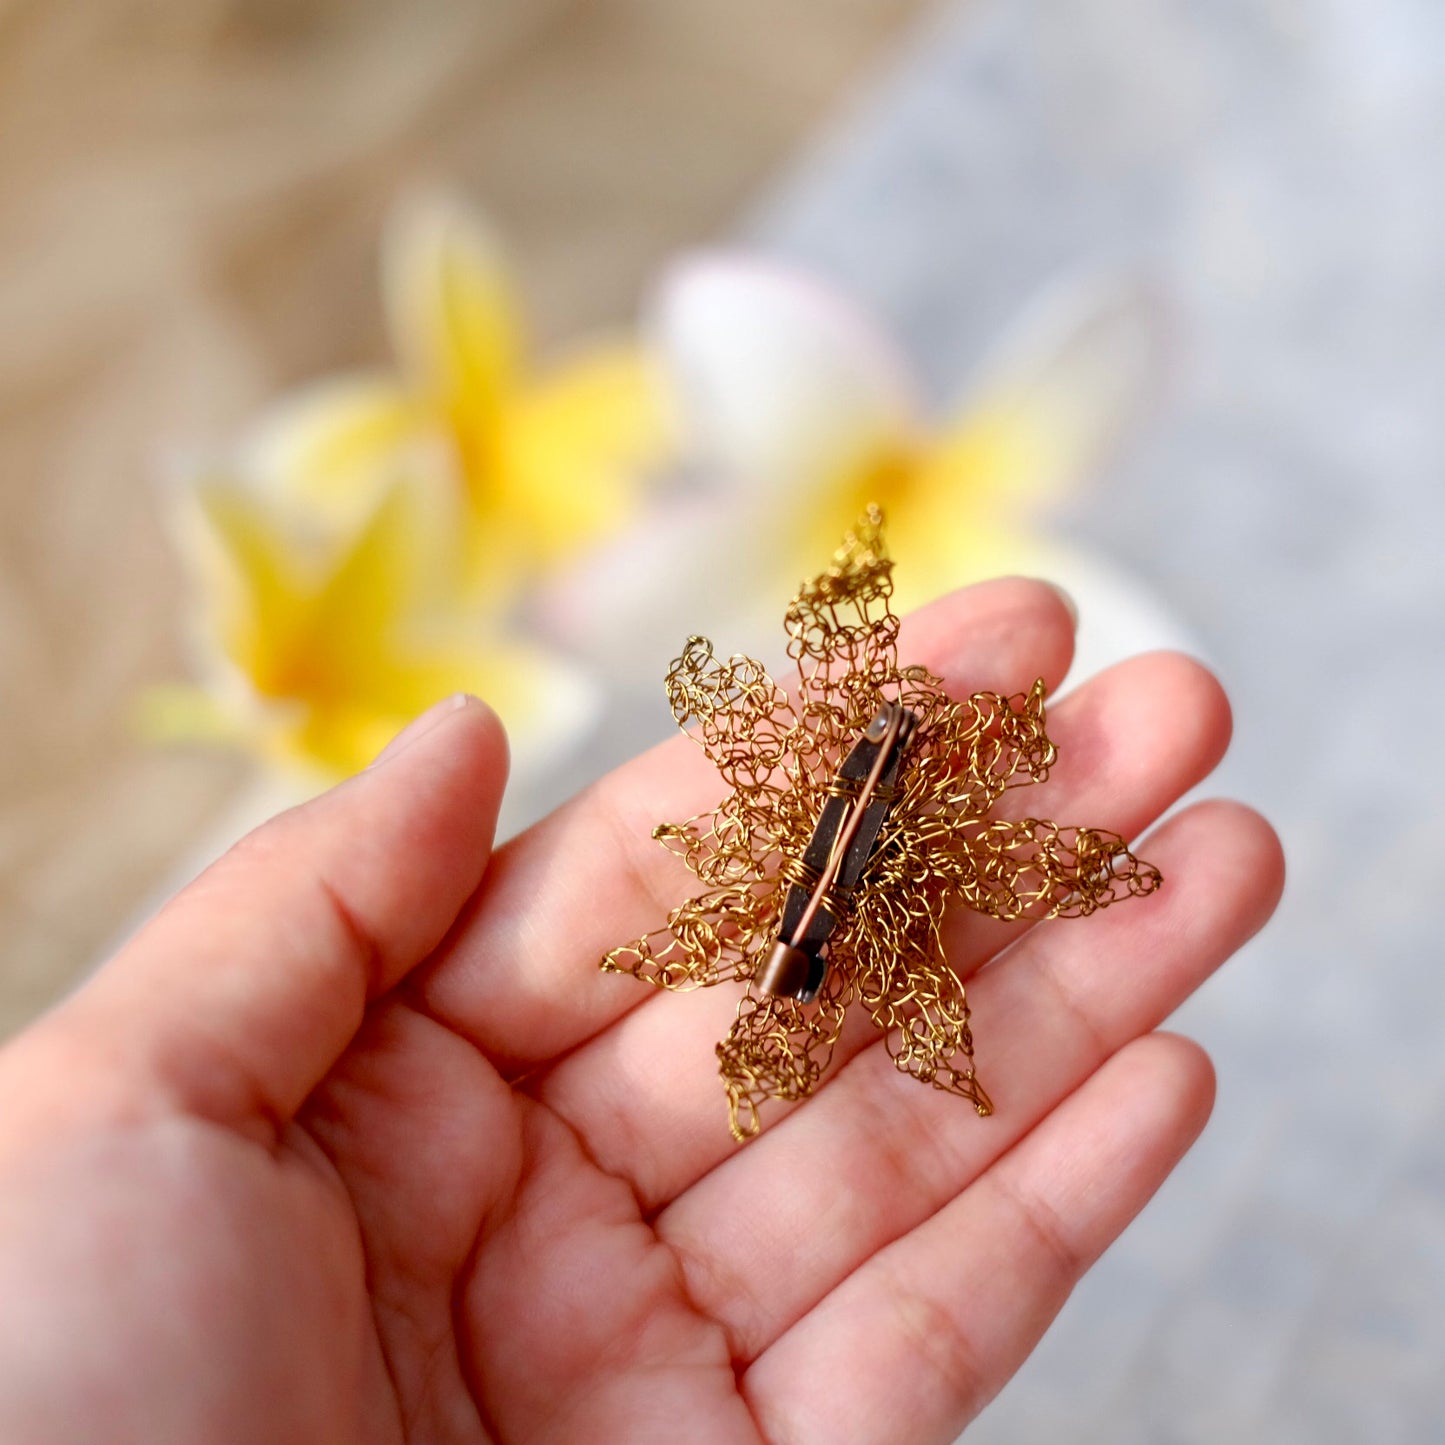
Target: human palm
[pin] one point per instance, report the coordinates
(354, 1143)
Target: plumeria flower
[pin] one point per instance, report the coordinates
(370, 545)
(795, 411)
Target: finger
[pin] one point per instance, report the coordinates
(1154, 726)
(875, 1153)
(241, 994)
(933, 1325)
(572, 1319)
(645, 1095)
(520, 978)
(425, 1139)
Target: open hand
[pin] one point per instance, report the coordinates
(354, 1142)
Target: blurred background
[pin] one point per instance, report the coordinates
(194, 194)
(191, 227)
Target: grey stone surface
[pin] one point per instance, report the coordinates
(1278, 164)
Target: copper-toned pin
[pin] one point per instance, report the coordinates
(796, 966)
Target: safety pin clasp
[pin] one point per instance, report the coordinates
(844, 839)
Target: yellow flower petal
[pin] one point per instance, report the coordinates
(454, 322)
(1046, 412)
(935, 557)
(968, 502)
(330, 447)
(250, 578)
(543, 702)
(328, 647)
(580, 442)
(309, 616)
(404, 558)
(949, 518)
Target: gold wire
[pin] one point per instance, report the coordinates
(778, 754)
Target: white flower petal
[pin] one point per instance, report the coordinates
(698, 565)
(781, 385)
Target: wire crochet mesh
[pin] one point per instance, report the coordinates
(778, 754)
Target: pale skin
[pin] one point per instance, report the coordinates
(354, 1143)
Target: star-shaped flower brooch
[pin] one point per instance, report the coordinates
(860, 807)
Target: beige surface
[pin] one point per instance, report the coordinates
(192, 191)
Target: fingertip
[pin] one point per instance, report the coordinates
(1178, 702)
(1231, 840)
(419, 726)
(1065, 597)
(460, 740)
(1257, 846)
(1186, 1075)
(433, 795)
(1209, 706)
(475, 739)
(484, 725)
(1136, 1117)
(1136, 737)
(999, 635)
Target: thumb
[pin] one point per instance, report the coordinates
(239, 997)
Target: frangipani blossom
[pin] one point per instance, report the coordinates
(314, 647)
(368, 548)
(794, 410)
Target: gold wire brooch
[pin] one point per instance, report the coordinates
(859, 808)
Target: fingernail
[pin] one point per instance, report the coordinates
(420, 727)
(1070, 606)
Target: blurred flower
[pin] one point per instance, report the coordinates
(369, 547)
(794, 412)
